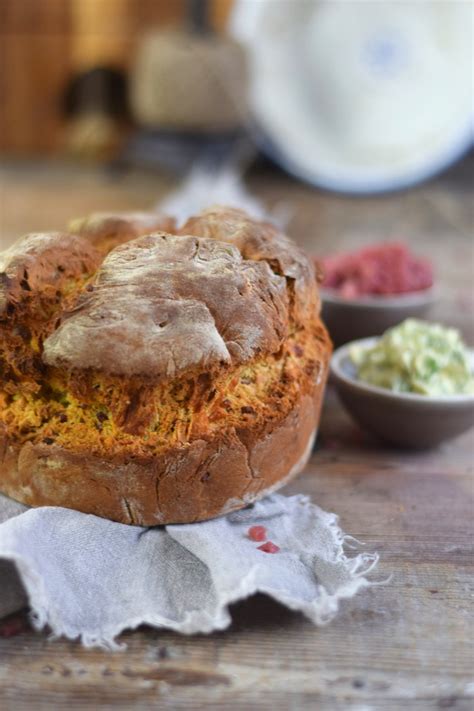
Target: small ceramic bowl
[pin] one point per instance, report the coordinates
(404, 419)
(350, 319)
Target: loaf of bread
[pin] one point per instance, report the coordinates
(152, 375)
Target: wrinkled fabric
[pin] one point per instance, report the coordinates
(89, 578)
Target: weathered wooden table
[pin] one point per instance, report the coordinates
(406, 644)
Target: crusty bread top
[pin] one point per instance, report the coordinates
(106, 230)
(258, 241)
(163, 305)
(39, 264)
(224, 290)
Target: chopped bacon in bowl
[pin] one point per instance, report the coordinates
(385, 269)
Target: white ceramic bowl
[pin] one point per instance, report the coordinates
(404, 419)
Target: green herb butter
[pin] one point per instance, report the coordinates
(417, 357)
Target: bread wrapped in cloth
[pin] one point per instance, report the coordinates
(173, 380)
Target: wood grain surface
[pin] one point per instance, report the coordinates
(405, 644)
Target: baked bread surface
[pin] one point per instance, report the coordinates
(157, 378)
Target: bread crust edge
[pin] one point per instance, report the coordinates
(194, 482)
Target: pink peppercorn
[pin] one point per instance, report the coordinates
(269, 547)
(257, 533)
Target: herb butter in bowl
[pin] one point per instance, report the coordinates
(413, 386)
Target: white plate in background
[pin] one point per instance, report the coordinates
(360, 95)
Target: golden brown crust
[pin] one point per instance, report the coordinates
(189, 483)
(181, 379)
(261, 241)
(40, 276)
(37, 266)
(106, 230)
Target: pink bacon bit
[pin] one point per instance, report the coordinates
(257, 533)
(269, 547)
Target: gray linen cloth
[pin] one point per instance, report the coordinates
(89, 578)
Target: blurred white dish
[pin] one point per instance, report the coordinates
(360, 96)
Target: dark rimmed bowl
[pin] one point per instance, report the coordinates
(350, 319)
(404, 419)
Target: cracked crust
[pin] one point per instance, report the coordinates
(262, 242)
(36, 266)
(163, 305)
(177, 379)
(193, 482)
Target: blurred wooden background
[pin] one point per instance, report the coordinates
(43, 43)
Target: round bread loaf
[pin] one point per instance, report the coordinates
(157, 378)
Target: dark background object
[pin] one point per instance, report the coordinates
(101, 88)
(198, 16)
